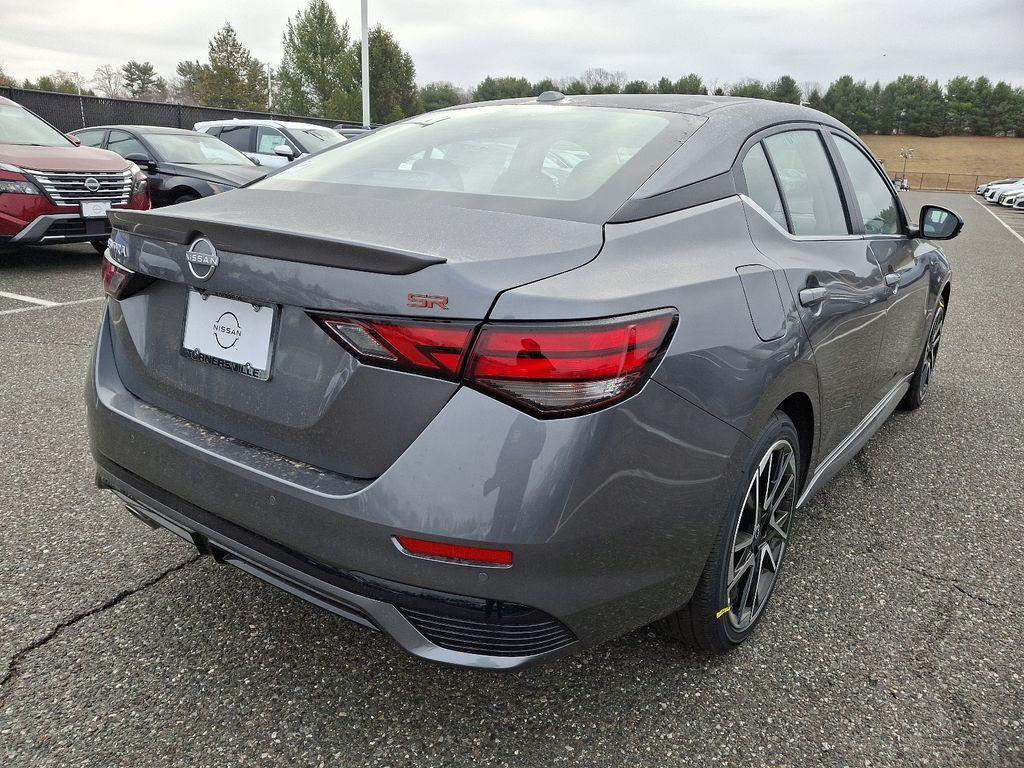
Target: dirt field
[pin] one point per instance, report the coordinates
(986, 156)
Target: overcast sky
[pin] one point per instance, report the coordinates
(464, 40)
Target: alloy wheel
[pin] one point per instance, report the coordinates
(931, 350)
(761, 536)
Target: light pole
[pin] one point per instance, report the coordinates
(366, 69)
(906, 154)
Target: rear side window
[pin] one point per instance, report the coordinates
(877, 205)
(761, 186)
(236, 136)
(808, 183)
(91, 138)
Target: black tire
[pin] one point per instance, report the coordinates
(99, 245)
(186, 198)
(710, 621)
(922, 378)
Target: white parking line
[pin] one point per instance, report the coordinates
(48, 305)
(1008, 227)
(29, 299)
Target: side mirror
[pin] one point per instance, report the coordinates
(141, 160)
(938, 223)
(284, 151)
(74, 139)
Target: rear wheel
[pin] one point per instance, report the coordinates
(926, 366)
(744, 566)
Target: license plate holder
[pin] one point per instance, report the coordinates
(95, 209)
(229, 333)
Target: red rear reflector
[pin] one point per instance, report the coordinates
(438, 550)
(567, 368)
(436, 348)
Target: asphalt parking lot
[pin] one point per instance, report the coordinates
(894, 638)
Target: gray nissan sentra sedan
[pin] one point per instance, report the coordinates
(508, 380)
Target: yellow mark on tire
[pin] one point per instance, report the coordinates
(722, 612)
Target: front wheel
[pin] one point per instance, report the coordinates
(744, 566)
(922, 377)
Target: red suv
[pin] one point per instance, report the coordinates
(54, 191)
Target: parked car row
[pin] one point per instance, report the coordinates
(1008, 193)
(58, 188)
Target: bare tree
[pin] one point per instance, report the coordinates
(109, 81)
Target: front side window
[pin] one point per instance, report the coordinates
(761, 186)
(125, 144)
(878, 207)
(194, 149)
(268, 139)
(236, 136)
(20, 127)
(808, 183)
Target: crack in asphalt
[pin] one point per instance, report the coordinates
(18, 656)
(945, 581)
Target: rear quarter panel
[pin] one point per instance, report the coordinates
(687, 260)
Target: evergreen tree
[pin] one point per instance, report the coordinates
(139, 79)
(508, 87)
(851, 103)
(784, 89)
(638, 86)
(752, 89)
(233, 78)
(318, 73)
(439, 95)
(691, 83)
(393, 92)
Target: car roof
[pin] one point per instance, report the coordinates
(720, 126)
(8, 102)
(272, 123)
(136, 129)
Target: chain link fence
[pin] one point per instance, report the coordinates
(952, 182)
(69, 112)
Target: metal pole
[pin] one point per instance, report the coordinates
(366, 70)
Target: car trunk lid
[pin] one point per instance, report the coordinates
(319, 405)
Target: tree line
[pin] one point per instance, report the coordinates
(319, 75)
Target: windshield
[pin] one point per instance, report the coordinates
(314, 139)
(21, 127)
(541, 159)
(194, 149)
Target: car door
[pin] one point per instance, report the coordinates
(240, 137)
(124, 144)
(904, 262)
(804, 227)
(269, 139)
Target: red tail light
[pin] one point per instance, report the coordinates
(115, 277)
(438, 550)
(562, 368)
(428, 347)
(547, 368)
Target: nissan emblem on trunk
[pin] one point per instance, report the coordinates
(202, 258)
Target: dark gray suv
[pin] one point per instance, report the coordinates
(511, 379)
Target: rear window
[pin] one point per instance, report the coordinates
(562, 161)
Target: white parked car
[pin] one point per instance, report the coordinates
(994, 190)
(983, 188)
(271, 143)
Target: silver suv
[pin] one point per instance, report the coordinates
(271, 143)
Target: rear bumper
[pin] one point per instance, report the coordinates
(610, 515)
(477, 633)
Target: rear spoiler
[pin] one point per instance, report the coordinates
(272, 243)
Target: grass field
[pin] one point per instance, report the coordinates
(986, 156)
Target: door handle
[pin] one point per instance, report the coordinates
(811, 296)
(892, 279)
